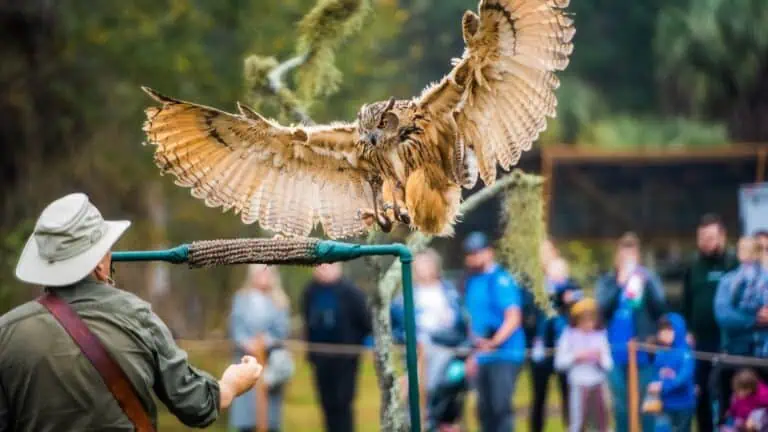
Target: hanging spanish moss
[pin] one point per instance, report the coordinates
(321, 30)
(523, 211)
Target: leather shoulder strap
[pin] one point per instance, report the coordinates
(111, 372)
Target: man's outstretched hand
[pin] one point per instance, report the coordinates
(238, 379)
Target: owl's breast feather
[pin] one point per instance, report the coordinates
(397, 164)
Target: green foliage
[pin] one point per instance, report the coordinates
(712, 50)
(579, 104)
(586, 261)
(635, 132)
(524, 232)
(328, 24)
(11, 292)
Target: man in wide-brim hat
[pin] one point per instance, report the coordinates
(47, 383)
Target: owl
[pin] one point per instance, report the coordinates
(401, 161)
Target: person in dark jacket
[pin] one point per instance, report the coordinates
(673, 379)
(335, 312)
(563, 293)
(631, 300)
(699, 287)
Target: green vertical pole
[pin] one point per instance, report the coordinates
(410, 345)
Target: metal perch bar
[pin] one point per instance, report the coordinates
(299, 251)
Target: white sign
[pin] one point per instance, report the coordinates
(753, 207)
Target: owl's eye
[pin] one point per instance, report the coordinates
(383, 123)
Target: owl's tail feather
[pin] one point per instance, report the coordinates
(432, 202)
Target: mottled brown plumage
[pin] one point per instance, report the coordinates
(402, 159)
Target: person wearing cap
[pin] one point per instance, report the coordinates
(493, 301)
(48, 383)
(631, 301)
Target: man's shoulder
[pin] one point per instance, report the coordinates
(20, 313)
(503, 279)
(124, 300)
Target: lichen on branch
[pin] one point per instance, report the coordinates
(321, 30)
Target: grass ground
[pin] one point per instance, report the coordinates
(302, 412)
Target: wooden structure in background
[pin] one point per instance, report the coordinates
(594, 195)
(598, 194)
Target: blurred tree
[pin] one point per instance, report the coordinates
(624, 131)
(713, 63)
(72, 110)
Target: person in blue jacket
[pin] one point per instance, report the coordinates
(631, 301)
(741, 312)
(673, 381)
(495, 307)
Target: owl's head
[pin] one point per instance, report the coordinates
(378, 124)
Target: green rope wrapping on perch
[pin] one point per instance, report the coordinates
(298, 251)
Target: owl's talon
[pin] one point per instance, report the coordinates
(384, 223)
(403, 216)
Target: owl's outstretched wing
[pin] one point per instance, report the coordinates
(502, 89)
(286, 178)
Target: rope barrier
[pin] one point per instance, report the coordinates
(634, 391)
(352, 349)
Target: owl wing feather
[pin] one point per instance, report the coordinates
(286, 178)
(502, 89)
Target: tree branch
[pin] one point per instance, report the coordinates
(264, 77)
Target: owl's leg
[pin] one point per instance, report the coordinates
(393, 194)
(369, 216)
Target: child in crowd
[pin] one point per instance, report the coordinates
(673, 383)
(749, 403)
(584, 353)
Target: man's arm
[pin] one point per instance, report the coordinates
(683, 376)
(728, 316)
(512, 321)
(656, 295)
(193, 396)
(510, 299)
(363, 318)
(5, 411)
(607, 296)
(687, 296)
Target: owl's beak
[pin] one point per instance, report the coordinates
(372, 138)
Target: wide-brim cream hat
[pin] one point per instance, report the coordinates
(69, 240)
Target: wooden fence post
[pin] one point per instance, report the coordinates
(262, 392)
(422, 382)
(633, 392)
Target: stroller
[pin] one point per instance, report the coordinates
(445, 403)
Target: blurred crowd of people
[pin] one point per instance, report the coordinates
(477, 334)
